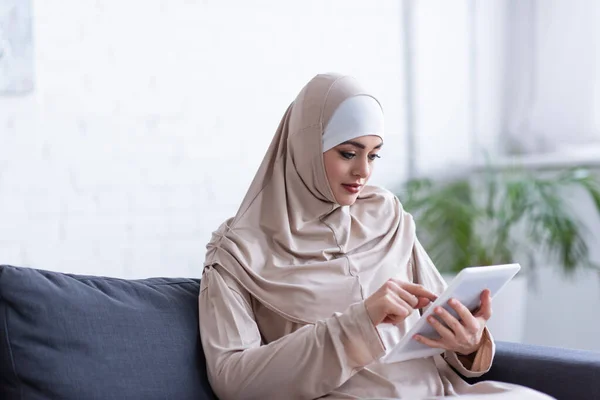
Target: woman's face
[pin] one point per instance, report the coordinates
(349, 165)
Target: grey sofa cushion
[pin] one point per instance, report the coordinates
(81, 337)
(562, 373)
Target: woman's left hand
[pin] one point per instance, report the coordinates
(464, 336)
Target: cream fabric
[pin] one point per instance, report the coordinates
(356, 116)
(290, 245)
(254, 353)
(282, 294)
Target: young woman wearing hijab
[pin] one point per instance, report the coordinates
(318, 274)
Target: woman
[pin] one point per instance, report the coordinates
(318, 274)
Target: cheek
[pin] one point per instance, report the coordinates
(338, 172)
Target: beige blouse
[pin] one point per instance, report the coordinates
(253, 353)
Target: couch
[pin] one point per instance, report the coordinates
(66, 336)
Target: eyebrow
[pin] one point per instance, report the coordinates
(360, 145)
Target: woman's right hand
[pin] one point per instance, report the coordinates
(395, 301)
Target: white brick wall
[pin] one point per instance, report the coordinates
(150, 118)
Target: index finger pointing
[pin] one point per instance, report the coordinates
(419, 291)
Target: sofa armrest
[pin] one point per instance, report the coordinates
(561, 373)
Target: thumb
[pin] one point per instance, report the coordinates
(485, 310)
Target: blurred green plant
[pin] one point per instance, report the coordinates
(498, 216)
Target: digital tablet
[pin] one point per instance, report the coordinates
(466, 288)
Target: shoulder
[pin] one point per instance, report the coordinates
(217, 277)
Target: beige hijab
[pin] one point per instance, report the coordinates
(290, 245)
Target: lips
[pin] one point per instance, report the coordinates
(352, 188)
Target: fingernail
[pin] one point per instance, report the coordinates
(431, 319)
(438, 310)
(452, 301)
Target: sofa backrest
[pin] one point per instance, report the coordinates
(66, 336)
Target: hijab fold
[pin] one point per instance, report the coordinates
(290, 244)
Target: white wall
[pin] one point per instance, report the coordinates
(552, 74)
(150, 118)
(442, 68)
(458, 56)
(562, 310)
(550, 100)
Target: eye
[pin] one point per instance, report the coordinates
(347, 155)
(372, 157)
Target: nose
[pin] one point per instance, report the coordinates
(362, 168)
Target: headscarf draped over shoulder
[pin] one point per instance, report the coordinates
(290, 244)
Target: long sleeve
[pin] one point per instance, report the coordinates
(430, 277)
(308, 363)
